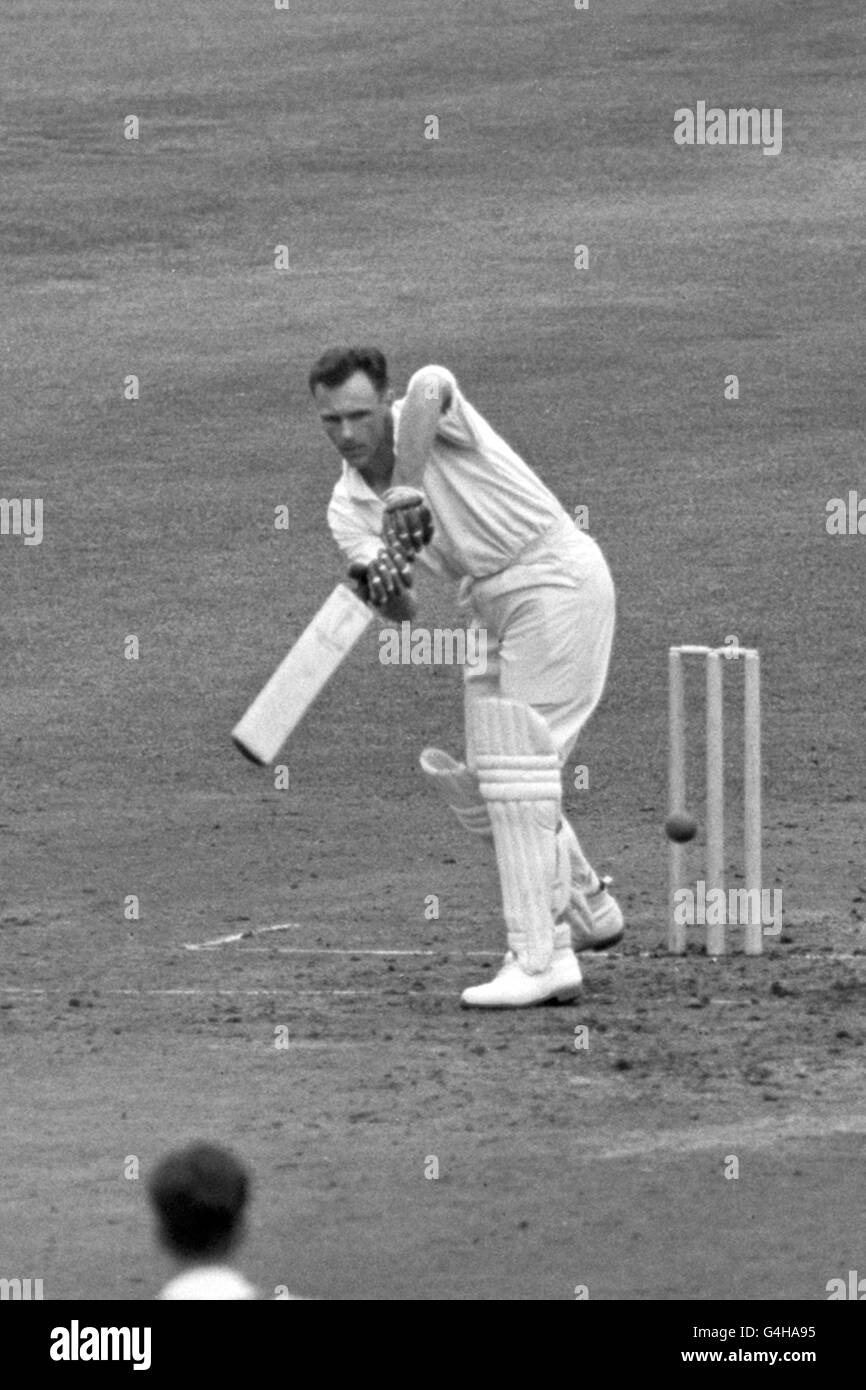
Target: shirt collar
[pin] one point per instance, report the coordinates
(356, 486)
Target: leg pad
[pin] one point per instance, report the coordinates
(519, 777)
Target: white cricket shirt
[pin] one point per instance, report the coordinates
(209, 1282)
(493, 515)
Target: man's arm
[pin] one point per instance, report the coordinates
(428, 397)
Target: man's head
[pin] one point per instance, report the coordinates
(353, 398)
(198, 1194)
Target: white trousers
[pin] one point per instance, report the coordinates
(547, 646)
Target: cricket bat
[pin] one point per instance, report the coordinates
(302, 675)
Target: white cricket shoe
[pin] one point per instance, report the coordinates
(515, 988)
(608, 925)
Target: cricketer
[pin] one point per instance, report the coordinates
(426, 479)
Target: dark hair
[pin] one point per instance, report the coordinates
(199, 1195)
(335, 366)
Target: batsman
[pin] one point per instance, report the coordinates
(427, 481)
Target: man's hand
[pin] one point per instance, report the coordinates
(385, 582)
(408, 522)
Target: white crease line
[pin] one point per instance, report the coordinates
(215, 942)
(240, 936)
(361, 951)
(209, 993)
(748, 1133)
(786, 956)
(610, 956)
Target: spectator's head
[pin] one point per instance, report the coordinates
(198, 1194)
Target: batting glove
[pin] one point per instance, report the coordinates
(408, 522)
(384, 578)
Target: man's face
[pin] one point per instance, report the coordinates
(355, 417)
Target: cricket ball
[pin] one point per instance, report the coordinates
(680, 828)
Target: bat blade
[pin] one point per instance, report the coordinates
(301, 676)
